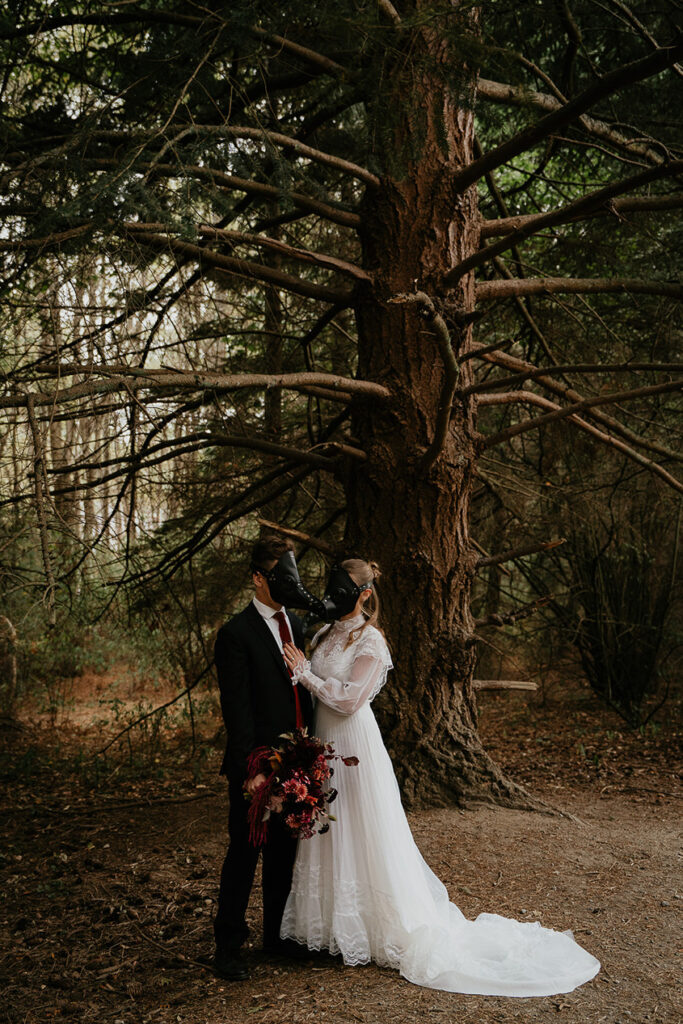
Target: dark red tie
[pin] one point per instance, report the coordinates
(286, 638)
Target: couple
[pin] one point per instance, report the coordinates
(361, 890)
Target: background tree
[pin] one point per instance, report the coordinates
(319, 264)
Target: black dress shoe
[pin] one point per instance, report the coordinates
(228, 964)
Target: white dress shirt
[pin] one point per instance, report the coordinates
(268, 614)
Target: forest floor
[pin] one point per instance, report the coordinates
(109, 880)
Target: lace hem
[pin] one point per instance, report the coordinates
(349, 959)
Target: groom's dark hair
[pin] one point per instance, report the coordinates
(269, 548)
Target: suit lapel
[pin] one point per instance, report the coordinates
(263, 630)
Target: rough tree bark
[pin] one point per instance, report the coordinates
(415, 523)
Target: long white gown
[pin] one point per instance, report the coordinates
(363, 889)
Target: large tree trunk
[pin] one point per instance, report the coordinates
(415, 226)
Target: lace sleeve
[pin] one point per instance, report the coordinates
(365, 678)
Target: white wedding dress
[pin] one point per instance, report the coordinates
(363, 889)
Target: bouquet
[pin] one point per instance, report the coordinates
(296, 773)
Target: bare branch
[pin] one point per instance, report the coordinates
(479, 351)
(522, 305)
(336, 214)
(235, 508)
(133, 379)
(556, 388)
(626, 75)
(578, 210)
(240, 268)
(329, 396)
(131, 465)
(349, 450)
(155, 711)
(345, 218)
(560, 412)
(42, 25)
(287, 142)
(204, 439)
(392, 14)
(634, 204)
(520, 552)
(312, 56)
(45, 242)
(492, 384)
(640, 28)
(305, 538)
(304, 255)
(127, 469)
(41, 488)
(567, 412)
(520, 96)
(504, 684)
(487, 290)
(320, 259)
(506, 619)
(148, 16)
(484, 553)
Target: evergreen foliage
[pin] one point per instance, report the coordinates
(152, 220)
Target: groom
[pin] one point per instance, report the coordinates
(259, 703)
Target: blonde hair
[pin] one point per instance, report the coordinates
(364, 574)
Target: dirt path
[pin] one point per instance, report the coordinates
(94, 926)
(102, 896)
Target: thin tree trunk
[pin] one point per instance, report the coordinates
(8, 669)
(273, 347)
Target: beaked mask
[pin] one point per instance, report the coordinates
(341, 594)
(286, 587)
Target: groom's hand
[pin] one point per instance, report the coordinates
(251, 785)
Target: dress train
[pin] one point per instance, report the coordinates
(364, 890)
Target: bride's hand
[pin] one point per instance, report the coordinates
(293, 656)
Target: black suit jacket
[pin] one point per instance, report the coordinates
(257, 699)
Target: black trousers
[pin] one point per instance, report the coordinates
(237, 876)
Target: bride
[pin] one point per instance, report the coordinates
(363, 889)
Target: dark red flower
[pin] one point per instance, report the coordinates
(296, 772)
